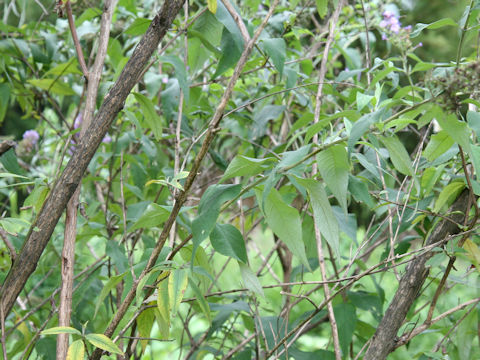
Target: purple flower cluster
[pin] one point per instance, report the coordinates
(390, 22)
(392, 25)
(31, 136)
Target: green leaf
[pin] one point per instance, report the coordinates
(230, 53)
(289, 158)
(475, 155)
(276, 49)
(104, 343)
(199, 260)
(163, 301)
(13, 225)
(362, 125)
(111, 283)
(223, 15)
(76, 351)
(398, 154)
(209, 208)
(61, 330)
(227, 240)
(430, 177)
(334, 167)
(250, 280)
(323, 214)
(473, 252)
(70, 67)
(153, 216)
(138, 27)
(419, 27)
(170, 293)
(180, 73)
(285, 222)
(262, 117)
(55, 86)
(143, 281)
(438, 144)
(177, 284)
(322, 7)
(10, 162)
(245, 166)
(457, 129)
(4, 99)
(346, 318)
(359, 190)
(209, 30)
(466, 335)
(145, 324)
(201, 301)
(363, 100)
(212, 6)
(448, 195)
(473, 119)
(153, 120)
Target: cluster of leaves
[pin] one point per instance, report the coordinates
(240, 274)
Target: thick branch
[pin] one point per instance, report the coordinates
(63, 189)
(385, 338)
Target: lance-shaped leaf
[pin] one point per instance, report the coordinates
(334, 167)
(170, 293)
(322, 211)
(250, 280)
(111, 283)
(398, 155)
(61, 330)
(152, 119)
(277, 50)
(245, 166)
(285, 222)
(104, 343)
(209, 208)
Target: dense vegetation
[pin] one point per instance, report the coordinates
(265, 179)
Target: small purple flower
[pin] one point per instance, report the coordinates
(165, 80)
(107, 139)
(420, 44)
(78, 121)
(390, 22)
(408, 28)
(31, 136)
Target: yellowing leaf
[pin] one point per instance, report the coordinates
(76, 351)
(61, 330)
(473, 252)
(104, 343)
(144, 325)
(212, 6)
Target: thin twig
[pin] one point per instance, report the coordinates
(76, 41)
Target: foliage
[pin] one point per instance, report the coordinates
(299, 184)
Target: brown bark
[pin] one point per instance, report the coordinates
(52, 209)
(70, 233)
(384, 340)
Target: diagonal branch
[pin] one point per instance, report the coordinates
(182, 196)
(52, 209)
(385, 339)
